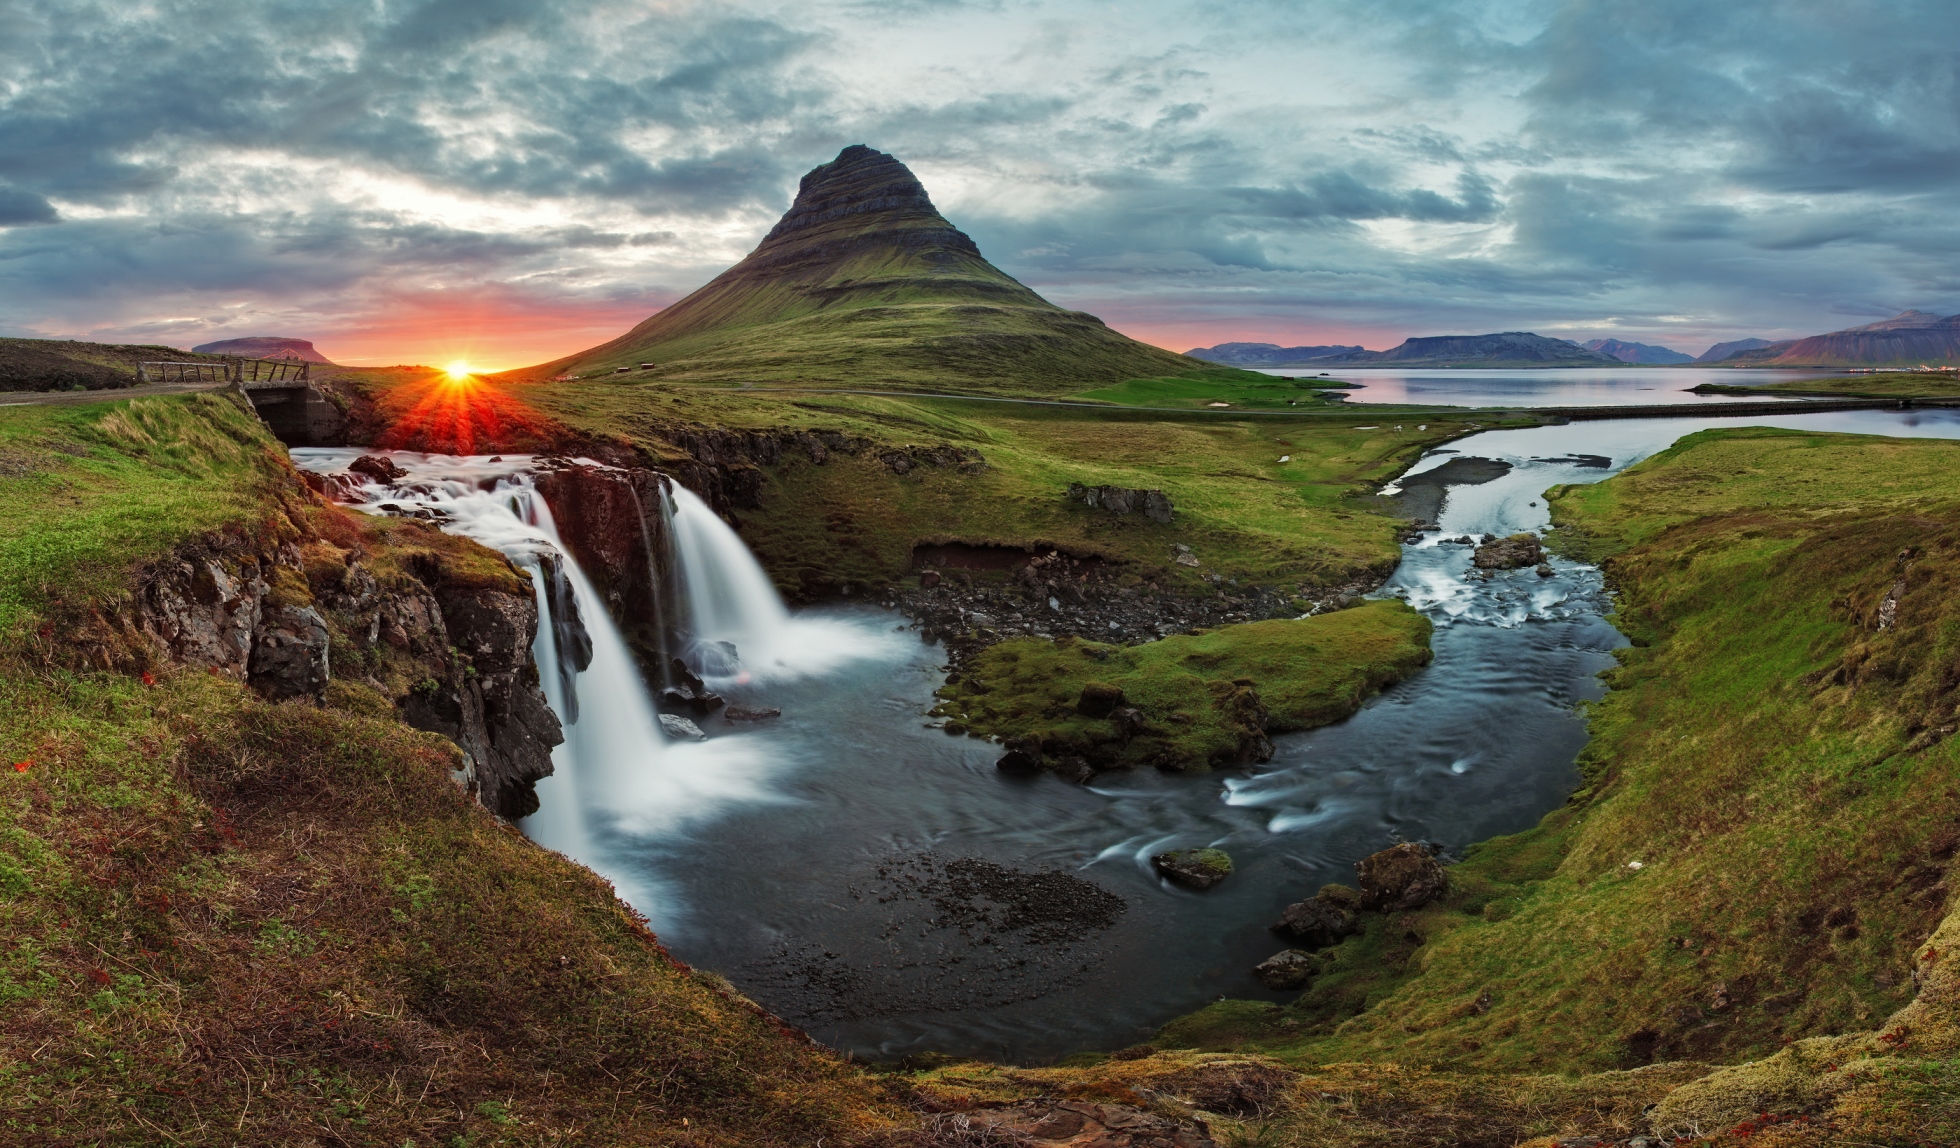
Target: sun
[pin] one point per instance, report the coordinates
(458, 370)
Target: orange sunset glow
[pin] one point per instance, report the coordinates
(448, 412)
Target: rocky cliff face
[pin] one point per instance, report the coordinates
(297, 617)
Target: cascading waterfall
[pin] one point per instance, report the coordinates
(618, 781)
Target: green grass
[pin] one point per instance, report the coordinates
(1308, 522)
(1775, 765)
(1891, 385)
(1195, 690)
(86, 492)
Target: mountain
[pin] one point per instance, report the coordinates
(1637, 352)
(1722, 351)
(864, 282)
(264, 347)
(1506, 349)
(1265, 354)
(1908, 339)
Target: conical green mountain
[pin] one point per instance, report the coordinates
(863, 282)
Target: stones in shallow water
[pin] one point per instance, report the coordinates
(1545, 570)
(681, 727)
(1194, 868)
(1290, 969)
(751, 713)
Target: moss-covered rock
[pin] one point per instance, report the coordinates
(1194, 868)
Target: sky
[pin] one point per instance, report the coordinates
(507, 181)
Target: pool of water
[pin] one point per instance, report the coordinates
(1555, 387)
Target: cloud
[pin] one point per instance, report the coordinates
(1195, 171)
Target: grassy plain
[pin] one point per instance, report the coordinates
(1770, 798)
(1893, 385)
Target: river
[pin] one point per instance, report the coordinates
(827, 861)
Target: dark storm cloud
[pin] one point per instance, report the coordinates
(1741, 168)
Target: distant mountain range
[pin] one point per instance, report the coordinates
(1637, 352)
(1908, 339)
(264, 347)
(1266, 354)
(1504, 349)
(1720, 351)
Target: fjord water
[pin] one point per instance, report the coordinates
(1550, 387)
(787, 855)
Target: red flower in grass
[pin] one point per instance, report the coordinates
(149, 679)
(22, 766)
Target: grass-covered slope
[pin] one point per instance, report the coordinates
(863, 282)
(1771, 799)
(226, 921)
(65, 364)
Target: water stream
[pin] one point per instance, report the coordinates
(814, 858)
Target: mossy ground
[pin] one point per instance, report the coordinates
(1248, 390)
(1190, 687)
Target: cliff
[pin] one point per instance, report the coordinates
(264, 347)
(863, 282)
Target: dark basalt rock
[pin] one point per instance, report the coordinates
(1322, 920)
(1286, 970)
(1152, 504)
(379, 467)
(1405, 876)
(751, 713)
(1515, 552)
(1098, 699)
(289, 655)
(1194, 868)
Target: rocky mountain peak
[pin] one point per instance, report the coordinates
(860, 192)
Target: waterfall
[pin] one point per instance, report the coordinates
(618, 783)
(735, 619)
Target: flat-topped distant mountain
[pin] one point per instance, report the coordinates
(1266, 354)
(864, 282)
(1637, 352)
(1908, 339)
(1504, 349)
(264, 347)
(1720, 351)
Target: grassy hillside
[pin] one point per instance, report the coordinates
(66, 364)
(227, 921)
(863, 282)
(1770, 803)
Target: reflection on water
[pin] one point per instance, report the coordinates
(1556, 387)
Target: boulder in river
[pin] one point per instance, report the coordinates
(1511, 553)
(1290, 969)
(1194, 868)
(378, 467)
(681, 727)
(1404, 876)
(1322, 920)
(1545, 570)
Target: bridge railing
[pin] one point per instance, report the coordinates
(227, 371)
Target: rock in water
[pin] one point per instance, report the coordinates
(751, 713)
(1291, 969)
(1511, 553)
(681, 727)
(1194, 868)
(1318, 921)
(1404, 876)
(379, 467)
